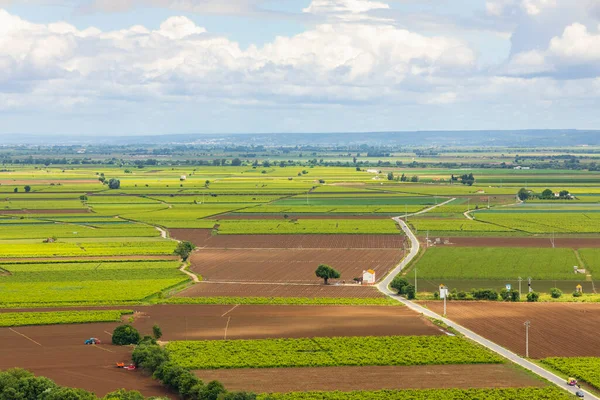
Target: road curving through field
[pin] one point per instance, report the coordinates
(383, 287)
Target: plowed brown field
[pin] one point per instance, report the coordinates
(557, 329)
(288, 265)
(58, 351)
(203, 238)
(212, 289)
(371, 378)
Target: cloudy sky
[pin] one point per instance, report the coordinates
(108, 67)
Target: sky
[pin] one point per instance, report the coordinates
(143, 67)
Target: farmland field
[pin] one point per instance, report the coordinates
(497, 263)
(317, 352)
(585, 369)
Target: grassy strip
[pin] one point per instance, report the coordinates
(375, 301)
(548, 393)
(324, 352)
(61, 317)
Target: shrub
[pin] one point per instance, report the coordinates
(484, 294)
(577, 294)
(399, 284)
(556, 293)
(462, 295)
(410, 292)
(149, 356)
(157, 332)
(532, 297)
(125, 334)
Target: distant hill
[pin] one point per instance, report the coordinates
(524, 138)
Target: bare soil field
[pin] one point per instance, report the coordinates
(289, 265)
(46, 211)
(58, 353)
(371, 378)
(213, 289)
(571, 243)
(203, 238)
(557, 329)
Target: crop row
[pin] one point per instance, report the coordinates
(547, 222)
(548, 393)
(376, 301)
(86, 249)
(497, 263)
(74, 231)
(456, 224)
(320, 352)
(61, 317)
(316, 226)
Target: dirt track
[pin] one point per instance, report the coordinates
(371, 378)
(268, 290)
(557, 329)
(203, 238)
(288, 265)
(571, 243)
(58, 351)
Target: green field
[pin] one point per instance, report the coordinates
(586, 369)
(497, 263)
(308, 226)
(87, 282)
(61, 317)
(548, 393)
(320, 352)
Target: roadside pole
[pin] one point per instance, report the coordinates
(527, 325)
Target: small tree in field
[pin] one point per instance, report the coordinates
(125, 334)
(326, 272)
(184, 249)
(156, 332)
(114, 183)
(27, 189)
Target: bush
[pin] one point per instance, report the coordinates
(532, 297)
(399, 284)
(577, 294)
(125, 334)
(149, 356)
(157, 332)
(485, 294)
(462, 295)
(410, 292)
(556, 293)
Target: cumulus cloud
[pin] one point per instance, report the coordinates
(333, 62)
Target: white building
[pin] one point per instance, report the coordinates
(368, 277)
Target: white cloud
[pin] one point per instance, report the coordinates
(576, 44)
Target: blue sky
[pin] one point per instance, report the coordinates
(122, 67)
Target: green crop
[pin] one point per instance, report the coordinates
(583, 368)
(548, 393)
(497, 263)
(337, 351)
(61, 317)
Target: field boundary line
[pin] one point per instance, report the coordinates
(25, 336)
(230, 310)
(226, 327)
(102, 348)
(383, 287)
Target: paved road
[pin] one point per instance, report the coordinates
(384, 288)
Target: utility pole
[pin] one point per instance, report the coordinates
(520, 280)
(527, 325)
(415, 280)
(445, 306)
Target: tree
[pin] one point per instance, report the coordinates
(547, 194)
(83, 197)
(564, 193)
(184, 249)
(410, 292)
(523, 194)
(149, 356)
(125, 334)
(123, 394)
(414, 179)
(114, 183)
(390, 176)
(27, 189)
(156, 332)
(326, 272)
(65, 393)
(236, 162)
(399, 284)
(16, 190)
(556, 293)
